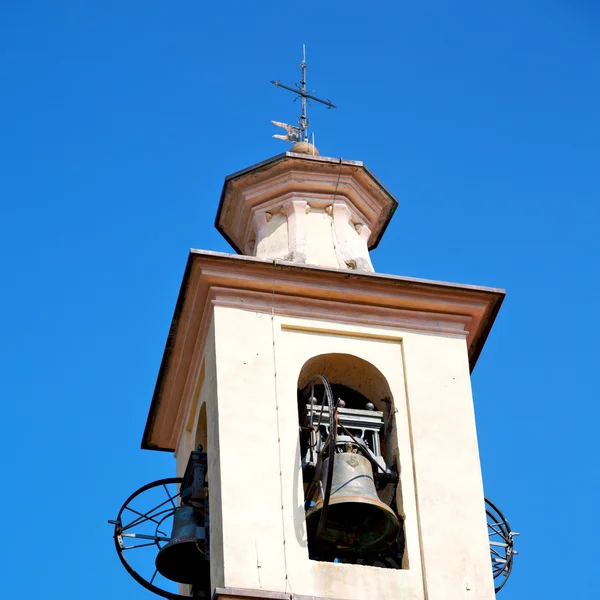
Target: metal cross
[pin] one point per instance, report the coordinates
(299, 134)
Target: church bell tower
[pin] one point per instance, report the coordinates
(320, 413)
(332, 403)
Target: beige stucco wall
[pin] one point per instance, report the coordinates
(454, 539)
(258, 537)
(327, 235)
(206, 414)
(249, 459)
(320, 240)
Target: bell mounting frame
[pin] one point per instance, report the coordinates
(159, 517)
(334, 429)
(502, 544)
(137, 523)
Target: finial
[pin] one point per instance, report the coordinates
(293, 133)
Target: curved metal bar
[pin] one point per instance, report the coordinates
(329, 445)
(167, 512)
(498, 512)
(149, 585)
(148, 516)
(501, 528)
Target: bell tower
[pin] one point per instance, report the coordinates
(332, 403)
(320, 413)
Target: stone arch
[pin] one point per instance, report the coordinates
(350, 371)
(361, 376)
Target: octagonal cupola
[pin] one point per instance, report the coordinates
(305, 208)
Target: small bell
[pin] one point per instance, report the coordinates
(182, 559)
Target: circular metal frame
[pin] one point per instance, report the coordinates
(158, 515)
(501, 545)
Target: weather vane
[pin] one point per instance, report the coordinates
(299, 134)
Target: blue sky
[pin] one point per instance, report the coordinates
(120, 121)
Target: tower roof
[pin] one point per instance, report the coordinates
(320, 180)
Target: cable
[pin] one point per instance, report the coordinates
(285, 563)
(329, 445)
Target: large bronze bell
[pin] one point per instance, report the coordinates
(182, 559)
(358, 522)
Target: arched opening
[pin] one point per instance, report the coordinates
(201, 429)
(350, 463)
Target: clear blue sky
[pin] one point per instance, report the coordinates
(120, 121)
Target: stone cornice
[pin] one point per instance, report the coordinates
(286, 289)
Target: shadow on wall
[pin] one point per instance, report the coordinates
(201, 429)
